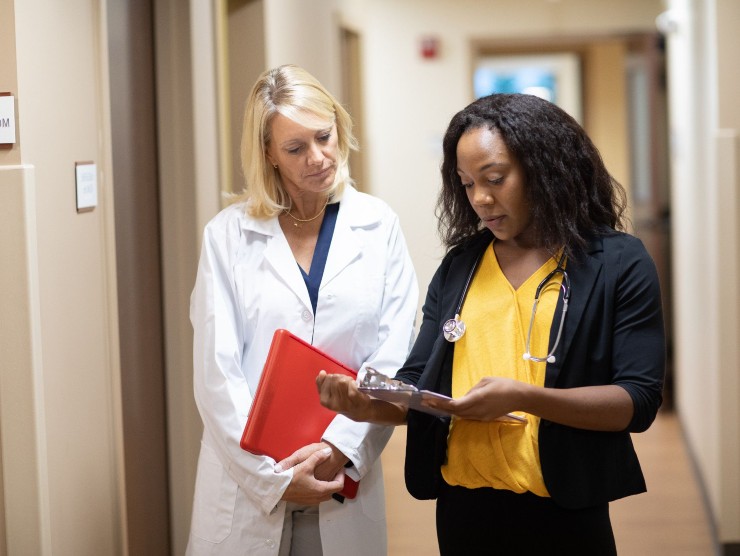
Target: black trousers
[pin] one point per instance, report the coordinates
(500, 522)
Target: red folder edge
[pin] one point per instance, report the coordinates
(286, 413)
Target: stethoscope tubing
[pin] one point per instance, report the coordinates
(453, 329)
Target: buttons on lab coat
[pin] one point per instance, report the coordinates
(306, 315)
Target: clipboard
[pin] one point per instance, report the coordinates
(412, 399)
(286, 413)
(385, 388)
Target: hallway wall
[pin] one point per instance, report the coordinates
(59, 394)
(705, 167)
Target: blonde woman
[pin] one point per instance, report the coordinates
(303, 250)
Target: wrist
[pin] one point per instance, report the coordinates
(524, 397)
(387, 413)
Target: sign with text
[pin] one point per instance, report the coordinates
(7, 119)
(86, 178)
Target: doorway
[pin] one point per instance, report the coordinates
(136, 192)
(351, 63)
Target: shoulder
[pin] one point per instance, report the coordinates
(623, 241)
(471, 248)
(234, 221)
(626, 250)
(222, 235)
(461, 258)
(613, 246)
(624, 257)
(234, 214)
(364, 210)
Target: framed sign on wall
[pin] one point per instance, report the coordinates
(555, 77)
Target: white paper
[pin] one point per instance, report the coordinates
(87, 186)
(7, 120)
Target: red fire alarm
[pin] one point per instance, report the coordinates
(429, 47)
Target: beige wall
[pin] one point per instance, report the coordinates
(60, 411)
(245, 61)
(727, 144)
(304, 33)
(20, 523)
(606, 116)
(22, 423)
(705, 168)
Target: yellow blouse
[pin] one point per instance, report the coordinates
(498, 454)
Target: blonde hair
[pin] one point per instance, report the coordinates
(294, 93)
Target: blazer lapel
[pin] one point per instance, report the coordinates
(457, 278)
(437, 375)
(582, 280)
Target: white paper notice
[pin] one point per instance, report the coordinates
(7, 120)
(87, 186)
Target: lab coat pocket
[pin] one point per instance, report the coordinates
(215, 498)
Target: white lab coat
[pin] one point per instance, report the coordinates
(248, 285)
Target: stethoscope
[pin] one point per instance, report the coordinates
(454, 328)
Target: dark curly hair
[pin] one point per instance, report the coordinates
(571, 194)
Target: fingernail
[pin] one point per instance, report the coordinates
(327, 451)
(278, 469)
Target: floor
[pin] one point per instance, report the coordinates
(668, 520)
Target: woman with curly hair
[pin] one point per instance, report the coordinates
(544, 326)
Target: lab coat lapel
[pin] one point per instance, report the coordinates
(279, 256)
(345, 244)
(345, 248)
(583, 277)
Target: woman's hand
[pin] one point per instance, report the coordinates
(488, 400)
(308, 463)
(600, 408)
(340, 393)
(324, 471)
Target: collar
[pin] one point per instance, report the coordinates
(353, 211)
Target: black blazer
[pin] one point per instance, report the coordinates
(613, 334)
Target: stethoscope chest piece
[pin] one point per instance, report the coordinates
(453, 329)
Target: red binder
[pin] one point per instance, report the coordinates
(286, 413)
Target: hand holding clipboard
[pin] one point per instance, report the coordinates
(380, 386)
